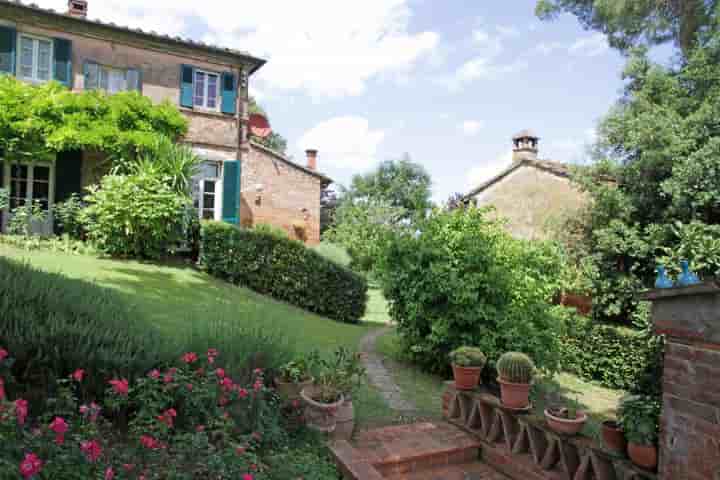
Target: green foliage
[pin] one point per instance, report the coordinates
(268, 229)
(334, 253)
(68, 217)
(284, 269)
(62, 244)
(136, 215)
(639, 416)
(4, 198)
(516, 367)
(628, 23)
(26, 219)
(177, 163)
(468, 357)
(300, 369)
(308, 463)
(341, 374)
(463, 280)
(50, 118)
(54, 325)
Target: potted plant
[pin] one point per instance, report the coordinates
(324, 397)
(614, 437)
(294, 376)
(351, 376)
(639, 416)
(467, 364)
(567, 419)
(515, 375)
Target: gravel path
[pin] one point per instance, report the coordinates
(379, 375)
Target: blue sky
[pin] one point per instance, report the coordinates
(448, 82)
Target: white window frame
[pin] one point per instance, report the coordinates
(7, 165)
(36, 57)
(218, 88)
(217, 206)
(108, 70)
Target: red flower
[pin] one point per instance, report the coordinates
(149, 442)
(129, 467)
(120, 386)
(247, 476)
(189, 386)
(243, 393)
(60, 427)
(2, 390)
(240, 450)
(252, 467)
(257, 386)
(220, 373)
(211, 354)
(168, 377)
(258, 371)
(154, 373)
(190, 357)
(3, 354)
(92, 450)
(109, 473)
(226, 383)
(21, 410)
(200, 428)
(168, 417)
(30, 466)
(78, 375)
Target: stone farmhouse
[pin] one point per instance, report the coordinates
(240, 182)
(531, 194)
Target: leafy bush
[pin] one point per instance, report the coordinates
(54, 325)
(284, 269)
(4, 198)
(612, 355)
(464, 281)
(68, 217)
(25, 219)
(334, 253)
(136, 215)
(639, 416)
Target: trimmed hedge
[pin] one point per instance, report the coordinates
(284, 269)
(612, 355)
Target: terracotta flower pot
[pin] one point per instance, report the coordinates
(466, 378)
(291, 390)
(645, 456)
(566, 426)
(613, 437)
(320, 416)
(514, 395)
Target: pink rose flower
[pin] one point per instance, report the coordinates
(227, 384)
(220, 373)
(109, 473)
(247, 476)
(243, 393)
(78, 375)
(120, 386)
(154, 373)
(150, 442)
(190, 357)
(92, 450)
(21, 410)
(3, 354)
(60, 427)
(2, 390)
(30, 466)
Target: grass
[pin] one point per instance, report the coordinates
(426, 390)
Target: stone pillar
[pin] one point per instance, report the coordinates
(690, 423)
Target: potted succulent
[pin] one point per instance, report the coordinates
(614, 437)
(639, 416)
(467, 364)
(567, 419)
(515, 375)
(294, 376)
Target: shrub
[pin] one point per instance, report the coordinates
(516, 367)
(54, 325)
(468, 357)
(612, 355)
(464, 281)
(136, 215)
(639, 416)
(25, 219)
(284, 269)
(334, 253)
(68, 217)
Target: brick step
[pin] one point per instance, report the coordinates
(464, 471)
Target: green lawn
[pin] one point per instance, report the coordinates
(426, 390)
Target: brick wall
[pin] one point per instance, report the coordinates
(289, 194)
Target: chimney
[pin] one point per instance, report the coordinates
(77, 8)
(525, 146)
(311, 159)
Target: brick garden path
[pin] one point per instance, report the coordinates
(379, 376)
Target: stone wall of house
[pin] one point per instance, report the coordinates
(160, 68)
(532, 200)
(277, 193)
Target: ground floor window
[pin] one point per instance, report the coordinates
(206, 191)
(27, 183)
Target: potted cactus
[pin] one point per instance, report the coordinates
(467, 364)
(516, 371)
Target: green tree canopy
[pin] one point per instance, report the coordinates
(629, 23)
(50, 118)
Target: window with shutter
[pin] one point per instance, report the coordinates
(229, 93)
(35, 58)
(111, 80)
(7, 50)
(231, 192)
(63, 61)
(187, 77)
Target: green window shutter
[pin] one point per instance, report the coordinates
(187, 77)
(8, 37)
(231, 192)
(91, 70)
(62, 51)
(134, 79)
(229, 93)
(68, 174)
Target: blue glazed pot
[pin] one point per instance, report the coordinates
(662, 280)
(687, 277)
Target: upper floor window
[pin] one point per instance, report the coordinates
(35, 58)
(109, 79)
(206, 90)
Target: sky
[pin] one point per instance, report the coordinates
(446, 81)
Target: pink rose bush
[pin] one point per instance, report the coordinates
(193, 421)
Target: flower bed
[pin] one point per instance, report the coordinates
(189, 421)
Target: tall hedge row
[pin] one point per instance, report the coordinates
(284, 269)
(614, 356)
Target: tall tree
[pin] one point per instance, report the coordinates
(630, 23)
(398, 183)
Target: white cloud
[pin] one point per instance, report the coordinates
(591, 46)
(345, 142)
(485, 44)
(548, 48)
(324, 47)
(508, 30)
(471, 127)
(482, 173)
(572, 150)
